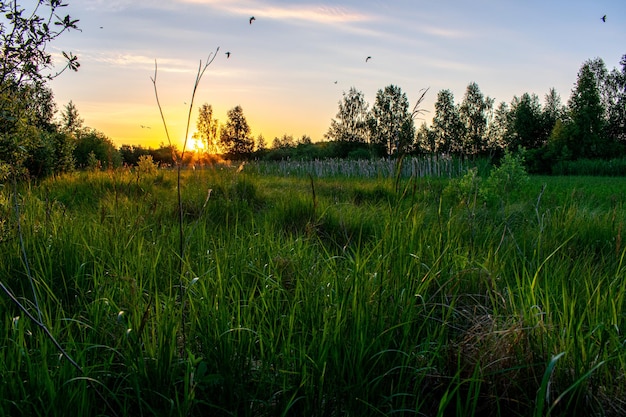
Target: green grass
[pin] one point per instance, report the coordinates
(321, 297)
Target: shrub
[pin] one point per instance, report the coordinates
(506, 178)
(146, 165)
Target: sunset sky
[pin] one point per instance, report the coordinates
(289, 68)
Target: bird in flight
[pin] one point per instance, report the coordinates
(368, 58)
(603, 18)
(145, 127)
(251, 19)
(227, 55)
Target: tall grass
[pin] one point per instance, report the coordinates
(371, 298)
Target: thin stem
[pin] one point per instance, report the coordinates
(179, 163)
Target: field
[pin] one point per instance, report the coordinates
(312, 296)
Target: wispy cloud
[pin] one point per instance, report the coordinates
(130, 60)
(315, 13)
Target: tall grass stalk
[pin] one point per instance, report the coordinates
(181, 237)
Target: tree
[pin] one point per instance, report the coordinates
(26, 105)
(286, 141)
(473, 111)
(71, 121)
(587, 116)
(261, 145)
(235, 136)
(527, 123)
(616, 103)
(425, 140)
(99, 146)
(350, 124)
(448, 129)
(553, 110)
(498, 138)
(24, 37)
(392, 125)
(206, 129)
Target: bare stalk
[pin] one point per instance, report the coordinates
(179, 162)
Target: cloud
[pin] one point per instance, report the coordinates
(313, 13)
(131, 60)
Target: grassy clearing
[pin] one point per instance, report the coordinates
(315, 297)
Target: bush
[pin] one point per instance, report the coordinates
(146, 165)
(505, 179)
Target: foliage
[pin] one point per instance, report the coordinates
(206, 129)
(506, 179)
(527, 128)
(473, 111)
(146, 165)
(24, 38)
(392, 126)
(99, 146)
(235, 136)
(447, 125)
(350, 123)
(587, 117)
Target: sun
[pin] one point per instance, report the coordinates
(195, 145)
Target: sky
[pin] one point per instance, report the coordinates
(289, 68)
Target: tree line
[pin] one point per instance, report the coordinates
(591, 125)
(35, 142)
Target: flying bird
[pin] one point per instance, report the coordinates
(251, 19)
(368, 58)
(145, 127)
(603, 18)
(227, 55)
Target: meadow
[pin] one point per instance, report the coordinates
(312, 295)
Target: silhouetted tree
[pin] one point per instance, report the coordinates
(206, 129)
(616, 103)
(350, 123)
(448, 129)
(474, 112)
(587, 116)
(498, 138)
(425, 140)
(235, 136)
(71, 122)
(553, 110)
(261, 145)
(527, 123)
(392, 125)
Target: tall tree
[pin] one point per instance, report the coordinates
(474, 112)
(616, 103)
(350, 123)
(206, 129)
(26, 107)
(392, 122)
(527, 124)
(587, 116)
(235, 136)
(498, 138)
(448, 129)
(71, 122)
(425, 140)
(553, 110)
